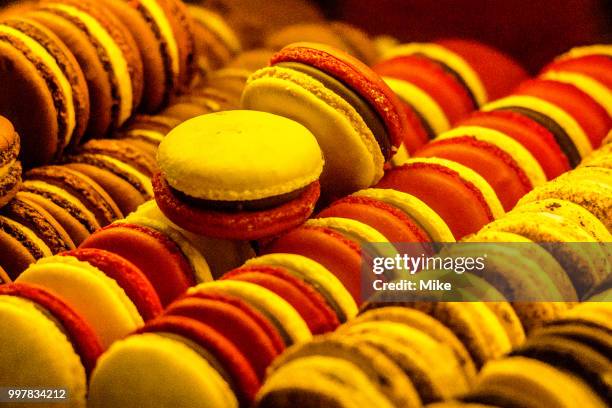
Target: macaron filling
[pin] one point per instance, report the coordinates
(562, 138)
(365, 110)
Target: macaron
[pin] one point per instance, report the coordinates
(153, 252)
(288, 323)
(26, 212)
(569, 134)
(382, 374)
(46, 96)
(221, 255)
(308, 302)
(509, 168)
(253, 59)
(239, 322)
(62, 180)
(131, 279)
(107, 307)
(595, 67)
(258, 180)
(224, 355)
(315, 275)
(342, 102)
(435, 180)
(165, 39)
(66, 346)
(590, 115)
(390, 221)
(533, 136)
(538, 381)
(10, 167)
(107, 54)
(20, 246)
(340, 255)
(127, 186)
(4, 278)
(123, 152)
(498, 72)
(173, 366)
(427, 219)
(424, 323)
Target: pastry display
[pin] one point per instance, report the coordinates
(227, 203)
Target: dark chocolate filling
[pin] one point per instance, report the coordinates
(369, 115)
(561, 137)
(239, 206)
(77, 187)
(86, 158)
(23, 239)
(73, 210)
(21, 212)
(455, 75)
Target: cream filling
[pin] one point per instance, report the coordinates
(447, 57)
(144, 180)
(30, 235)
(157, 13)
(471, 176)
(117, 60)
(596, 49)
(50, 188)
(522, 156)
(420, 100)
(49, 61)
(400, 157)
(595, 89)
(563, 119)
(416, 209)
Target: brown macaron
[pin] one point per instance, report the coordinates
(44, 93)
(10, 168)
(107, 54)
(87, 191)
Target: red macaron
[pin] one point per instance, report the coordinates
(157, 256)
(309, 303)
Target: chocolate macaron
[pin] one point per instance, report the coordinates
(10, 168)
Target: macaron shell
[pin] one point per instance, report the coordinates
(533, 136)
(131, 279)
(4, 278)
(51, 361)
(319, 317)
(107, 308)
(155, 255)
(234, 319)
(434, 185)
(495, 165)
(595, 66)
(149, 366)
(19, 247)
(78, 331)
(231, 359)
(339, 255)
(395, 225)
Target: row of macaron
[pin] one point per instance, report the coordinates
(85, 68)
(402, 357)
(99, 182)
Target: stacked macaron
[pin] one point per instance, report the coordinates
(392, 356)
(224, 334)
(10, 167)
(357, 120)
(445, 81)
